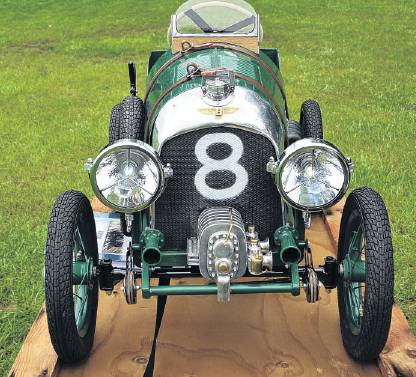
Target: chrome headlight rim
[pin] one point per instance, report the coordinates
(119, 146)
(305, 145)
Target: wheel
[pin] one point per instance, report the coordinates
(127, 120)
(114, 128)
(71, 289)
(311, 120)
(365, 282)
(132, 117)
(294, 132)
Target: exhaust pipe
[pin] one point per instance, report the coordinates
(290, 253)
(152, 240)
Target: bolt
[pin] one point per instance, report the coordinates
(223, 267)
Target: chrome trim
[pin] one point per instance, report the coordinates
(188, 112)
(276, 168)
(120, 145)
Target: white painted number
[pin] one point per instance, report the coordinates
(228, 164)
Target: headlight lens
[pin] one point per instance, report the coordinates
(313, 175)
(127, 176)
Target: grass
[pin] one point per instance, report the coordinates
(63, 66)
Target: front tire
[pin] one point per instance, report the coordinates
(311, 120)
(127, 120)
(71, 289)
(365, 284)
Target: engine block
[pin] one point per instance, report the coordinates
(222, 247)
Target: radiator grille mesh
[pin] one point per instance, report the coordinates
(178, 209)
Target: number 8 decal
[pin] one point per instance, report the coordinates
(228, 164)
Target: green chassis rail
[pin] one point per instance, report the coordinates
(148, 290)
(151, 242)
(148, 244)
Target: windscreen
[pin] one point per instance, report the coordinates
(226, 16)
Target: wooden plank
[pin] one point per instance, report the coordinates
(399, 354)
(123, 339)
(256, 335)
(37, 356)
(253, 335)
(332, 221)
(250, 43)
(97, 206)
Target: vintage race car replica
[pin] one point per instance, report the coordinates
(213, 179)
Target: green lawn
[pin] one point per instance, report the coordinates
(63, 66)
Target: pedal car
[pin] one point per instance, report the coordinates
(213, 179)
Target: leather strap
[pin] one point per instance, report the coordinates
(195, 71)
(188, 48)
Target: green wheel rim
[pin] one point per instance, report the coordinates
(83, 283)
(354, 292)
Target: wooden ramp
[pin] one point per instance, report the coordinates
(254, 335)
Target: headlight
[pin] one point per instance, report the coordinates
(312, 175)
(128, 176)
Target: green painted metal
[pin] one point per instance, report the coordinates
(285, 240)
(173, 258)
(208, 59)
(292, 287)
(353, 275)
(151, 241)
(81, 271)
(211, 289)
(82, 275)
(294, 274)
(146, 293)
(352, 270)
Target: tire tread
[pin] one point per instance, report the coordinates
(379, 286)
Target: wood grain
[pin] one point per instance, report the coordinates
(123, 339)
(36, 357)
(250, 43)
(256, 335)
(97, 206)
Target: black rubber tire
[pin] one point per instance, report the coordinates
(366, 205)
(311, 120)
(114, 128)
(71, 209)
(132, 117)
(127, 121)
(294, 132)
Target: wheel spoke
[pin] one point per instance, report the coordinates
(81, 242)
(78, 297)
(81, 310)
